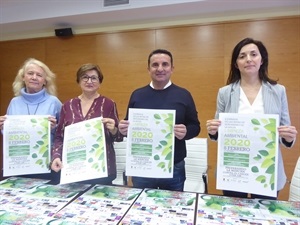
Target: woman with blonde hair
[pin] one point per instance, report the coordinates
(34, 89)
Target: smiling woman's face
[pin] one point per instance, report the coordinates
(34, 78)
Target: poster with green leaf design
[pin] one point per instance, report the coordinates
(84, 151)
(248, 153)
(150, 143)
(26, 145)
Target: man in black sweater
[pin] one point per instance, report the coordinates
(161, 93)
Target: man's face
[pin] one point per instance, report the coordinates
(160, 70)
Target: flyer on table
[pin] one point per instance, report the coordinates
(46, 199)
(248, 153)
(150, 143)
(26, 145)
(84, 151)
(102, 204)
(157, 206)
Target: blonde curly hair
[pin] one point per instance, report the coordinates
(18, 84)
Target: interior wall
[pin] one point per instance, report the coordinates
(201, 57)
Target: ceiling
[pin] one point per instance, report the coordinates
(21, 19)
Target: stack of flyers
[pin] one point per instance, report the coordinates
(155, 206)
(235, 214)
(249, 221)
(238, 211)
(282, 212)
(23, 218)
(101, 204)
(46, 199)
(12, 187)
(21, 183)
(210, 208)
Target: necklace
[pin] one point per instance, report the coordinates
(35, 109)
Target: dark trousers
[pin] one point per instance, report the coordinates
(174, 184)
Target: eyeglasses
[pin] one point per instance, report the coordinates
(86, 78)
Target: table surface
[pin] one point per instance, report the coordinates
(32, 201)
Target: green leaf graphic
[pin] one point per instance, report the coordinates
(267, 162)
(169, 156)
(165, 151)
(33, 120)
(45, 155)
(166, 144)
(271, 145)
(261, 179)
(158, 147)
(43, 149)
(271, 169)
(264, 139)
(163, 143)
(254, 169)
(39, 162)
(157, 116)
(169, 136)
(161, 165)
(41, 153)
(270, 127)
(272, 179)
(156, 157)
(257, 158)
(255, 122)
(263, 152)
(40, 142)
(169, 120)
(101, 156)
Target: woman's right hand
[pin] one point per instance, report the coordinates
(56, 165)
(2, 119)
(213, 126)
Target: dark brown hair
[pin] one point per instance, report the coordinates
(160, 51)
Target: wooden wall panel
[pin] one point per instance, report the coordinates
(12, 57)
(65, 56)
(123, 59)
(201, 57)
(198, 60)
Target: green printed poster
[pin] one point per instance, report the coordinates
(26, 145)
(248, 153)
(84, 151)
(150, 143)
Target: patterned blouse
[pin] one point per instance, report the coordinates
(71, 112)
